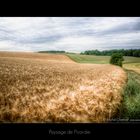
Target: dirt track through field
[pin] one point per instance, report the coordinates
(52, 88)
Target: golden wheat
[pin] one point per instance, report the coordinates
(52, 88)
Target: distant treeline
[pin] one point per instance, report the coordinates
(51, 51)
(130, 52)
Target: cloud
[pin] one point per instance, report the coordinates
(68, 33)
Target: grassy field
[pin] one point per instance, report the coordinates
(132, 66)
(128, 59)
(130, 108)
(38, 87)
(89, 58)
(100, 59)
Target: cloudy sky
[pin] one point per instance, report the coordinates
(74, 34)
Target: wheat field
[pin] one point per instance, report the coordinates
(52, 88)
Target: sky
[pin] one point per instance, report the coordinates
(71, 34)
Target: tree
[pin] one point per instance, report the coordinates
(129, 52)
(116, 59)
(136, 53)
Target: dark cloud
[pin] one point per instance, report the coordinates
(121, 29)
(40, 40)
